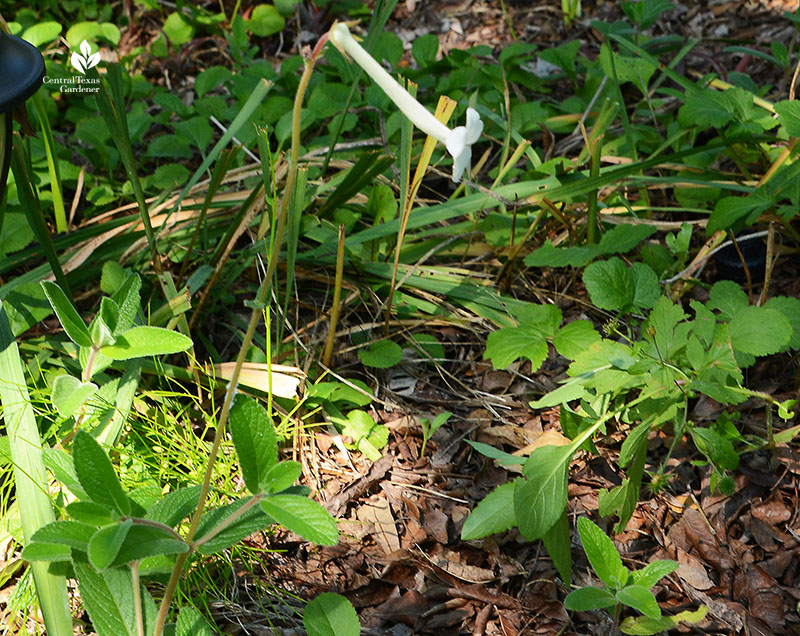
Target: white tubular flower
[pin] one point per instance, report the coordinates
(458, 140)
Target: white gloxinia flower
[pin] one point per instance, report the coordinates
(458, 140)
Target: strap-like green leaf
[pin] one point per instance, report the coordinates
(68, 316)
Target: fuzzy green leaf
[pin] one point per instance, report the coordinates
(641, 599)
(759, 331)
(302, 516)
(69, 393)
(46, 552)
(191, 623)
(175, 506)
(106, 542)
(255, 440)
(251, 521)
(539, 500)
(65, 532)
(280, 477)
(589, 598)
(381, 354)
(602, 554)
(494, 513)
(68, 316)
(140, 342)
(331, 615)
(96, 474)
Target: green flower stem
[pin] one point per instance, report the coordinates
(261, 299)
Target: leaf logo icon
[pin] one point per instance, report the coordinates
(84, 60)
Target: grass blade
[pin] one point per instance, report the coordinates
(30, 478)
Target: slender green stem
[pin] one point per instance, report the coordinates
(263, 294)
(254, 500)
(137, 598)
(337, 299)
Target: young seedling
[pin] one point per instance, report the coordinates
(623, 587)
(429, 428)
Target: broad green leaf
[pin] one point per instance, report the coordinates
(139, 342)
(46, 552)
(790, 308)
(90, 513)
(59, 462)
(633, 442)
(178, 28)
(381, 354)
(73, 534)
(265, 21)
(112, 277)
(759, 331)
(96, 474)
(506, 345)
(127, 299)
(280, 477)
(602, 554)
(558, 544)
(210, 78)
(255, 440)
(626, 69)
(549, 256)
(42, 33)
(705, 323)
(646, 626)
(645, 285)
(175, 506)
(589, 598)
(330, 615)
(106, 542)
(69, 394)
(540, 499)
(545, 318)
(68, 316)
(254, 520)
(789, 116)
(493, 514)
(368, 436)
(641, 599)
(653, 572)
(108, 597)
(728, 298)
(191, 623)
(574, 338)
(302, 516)
(717, 448)
(623, 238)
(729, 211)
(705, 108)
(664, 318)
(610, 284)
(142, 541)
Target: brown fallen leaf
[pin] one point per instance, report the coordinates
(377, 512)
(691, 570)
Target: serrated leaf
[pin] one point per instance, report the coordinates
(645, 285)
(614, 286)
(602, 554)
(302, 516)
(759, 331)
(331, 615)
(664, 318)
(69, 393)
(653, 572)
(549, 256)
(575, 337)
(105, 544)
(728, 298)
(790, 308)
(493, 514)
(51, 552)
(96, 474)
(255, 440)
(191, 623)
(251, 521)
(545, 318)
(127, 299)
(142, 541)
(641, 599)
(705, 108)
(65, 532)
(68, 316)
(540, 499)
(717, 448)
(506, 345)
(90, 513)
(280, 477)
(789, 116)
(381, 354)
(589, 598)
(646, 626)
(175, 506)
(140, 342)
(623, 238)
(730, 210)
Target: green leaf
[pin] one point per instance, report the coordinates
(126, 298)
(717, 448)
(549, 256)
(265, 21)
(280, 477)
(493, 514)
(664, 318)
(255, 440)
(790, 308)
(108, 597)
(506, 345)
(367, 435)
(557, 543)
(139, 342)
(68, 394)
(73, 534)
(545, 318)
(589, 598)
(759, 331)
(178, 28)
(705, 108)
(602, 554)
(646, 626)
(641, 599)
(789, 116)
(381, 354)
(96, 474)
(331, 615)
(728, 211)
(211, 78)
(501, 457)
(191, 623)
(540, 499)
(68, 316)
(623, 238)
(627, 69)
(575, 337)
(728, 298)
(46, 552)
(653, 572)
(302, 516)
(42, 33)
(175, 506)
(142, 541)
(254, 520)
(90, 513)
(645, 284)
(106, 542)
(610, 284)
